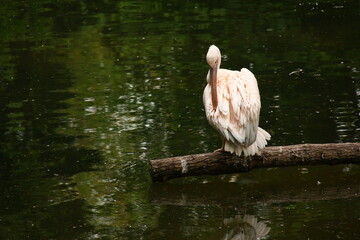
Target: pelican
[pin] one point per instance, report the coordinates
(232, 105)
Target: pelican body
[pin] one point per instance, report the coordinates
(232, 105)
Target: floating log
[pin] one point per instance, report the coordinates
(216, 163)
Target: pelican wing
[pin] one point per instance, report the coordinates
(237, 115)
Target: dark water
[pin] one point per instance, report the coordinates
(92, 90)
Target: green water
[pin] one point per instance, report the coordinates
(92, 90)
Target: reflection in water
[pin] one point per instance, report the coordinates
(36, 159)
(91, 90)
(238, 190)
(241, 228)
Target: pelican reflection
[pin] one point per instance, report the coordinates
(241, 228)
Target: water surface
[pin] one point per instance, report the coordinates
(92, 90)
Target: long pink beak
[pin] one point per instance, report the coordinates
(213, 82)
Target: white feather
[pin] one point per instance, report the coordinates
(236, 117)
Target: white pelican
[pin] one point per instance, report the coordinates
(232, 105)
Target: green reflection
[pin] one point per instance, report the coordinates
(91, 90)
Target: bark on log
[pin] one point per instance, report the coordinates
(216, 163)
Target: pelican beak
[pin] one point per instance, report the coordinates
(213, 78)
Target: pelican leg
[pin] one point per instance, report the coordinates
(222, 149)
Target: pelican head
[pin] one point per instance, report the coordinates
(213, 58)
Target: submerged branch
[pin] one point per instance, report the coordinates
(233, 194)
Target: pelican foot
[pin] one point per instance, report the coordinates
(220, 150)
